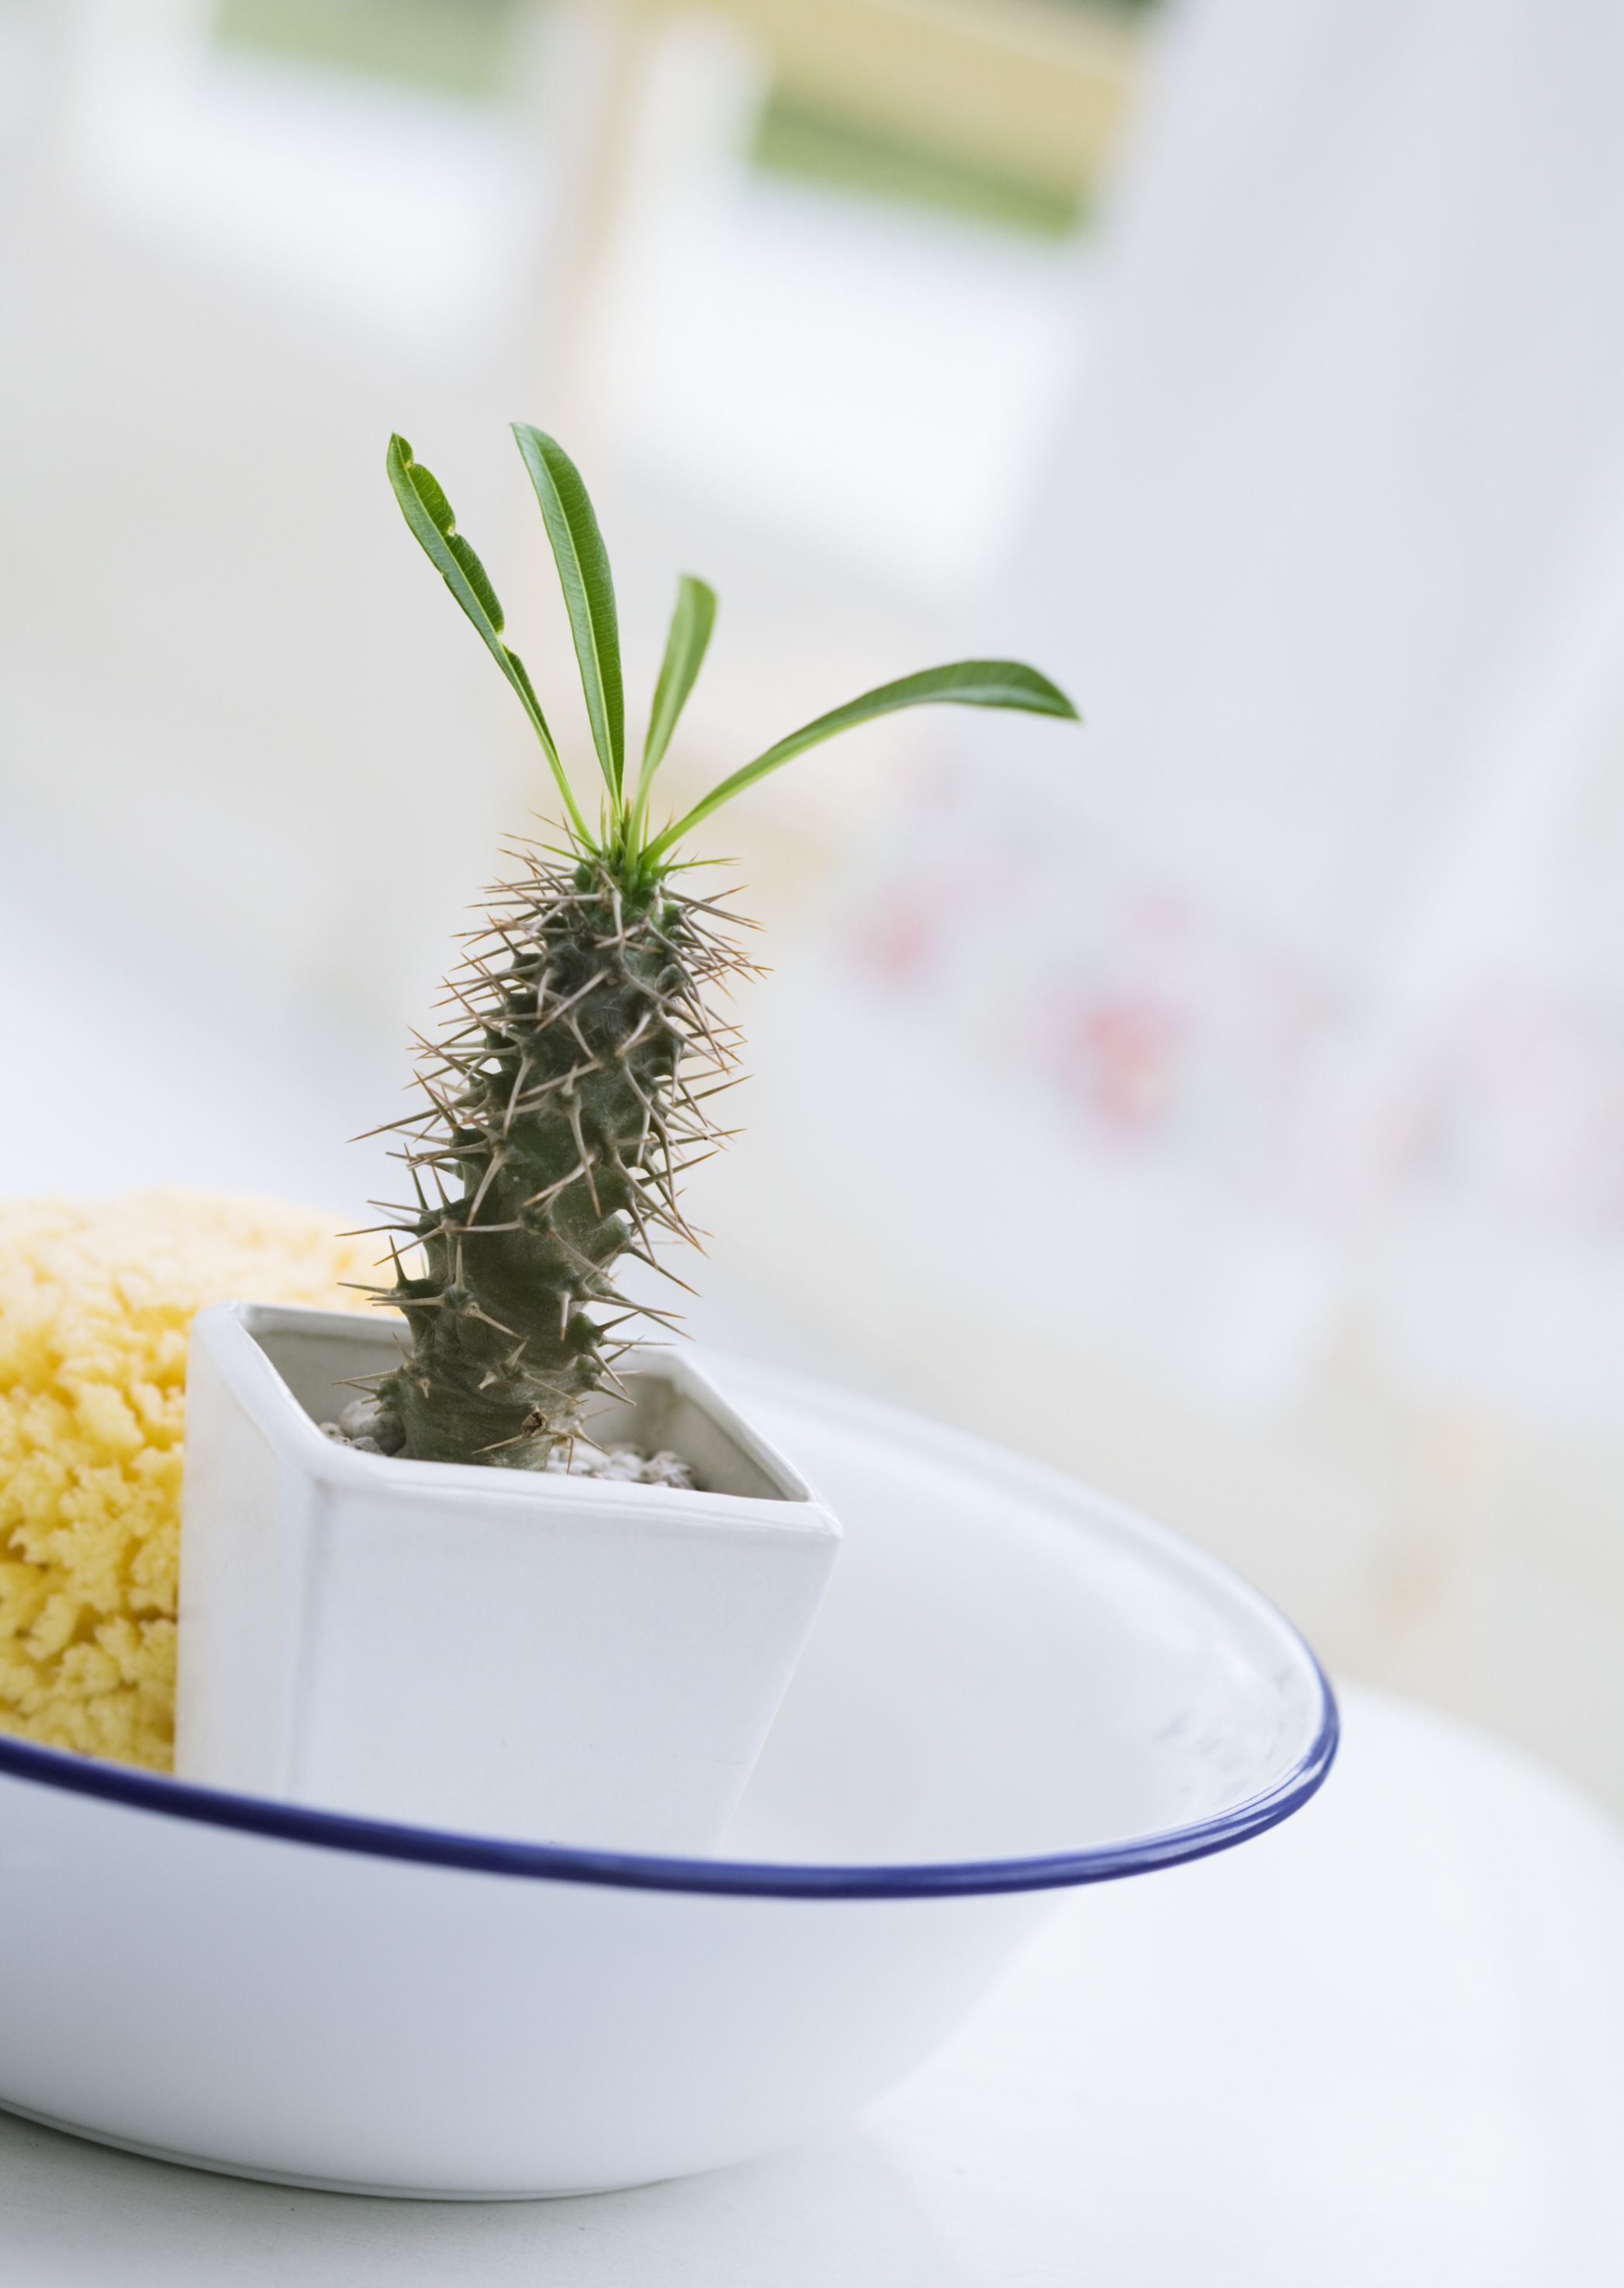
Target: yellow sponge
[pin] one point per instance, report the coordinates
(95, 1301)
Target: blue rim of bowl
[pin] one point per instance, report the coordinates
(329, 1831)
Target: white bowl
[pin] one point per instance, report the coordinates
(1015, 1684)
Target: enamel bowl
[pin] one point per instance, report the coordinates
(1015, 1685)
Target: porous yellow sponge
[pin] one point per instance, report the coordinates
(95, 1301)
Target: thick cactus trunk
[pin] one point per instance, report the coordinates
(565, 1107)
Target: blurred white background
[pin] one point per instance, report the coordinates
(1227, 1104)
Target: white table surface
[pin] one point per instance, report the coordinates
(1384, 2044)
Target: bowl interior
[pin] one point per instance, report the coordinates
(1008, 1666)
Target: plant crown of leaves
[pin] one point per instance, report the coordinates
(637, 858)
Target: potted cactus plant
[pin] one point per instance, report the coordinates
(460, 1608)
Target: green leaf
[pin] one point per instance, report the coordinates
(589, 592)
(965, 683)
(428, 490)
(429, 513)
(685, 652)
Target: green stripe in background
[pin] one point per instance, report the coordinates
(797, 139)
(454, 47)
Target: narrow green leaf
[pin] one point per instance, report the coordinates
(589, 592)
(429, 513)
(685, 652)
(965, 683)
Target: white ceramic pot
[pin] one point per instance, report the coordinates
(551, 1658)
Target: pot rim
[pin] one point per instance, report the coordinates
(137, 1790)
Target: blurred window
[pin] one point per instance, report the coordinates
(857, 230)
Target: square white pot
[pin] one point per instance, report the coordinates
(500, 1651)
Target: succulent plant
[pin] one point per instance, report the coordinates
(571, 1088)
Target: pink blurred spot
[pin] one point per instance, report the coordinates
(1120, 1054)
(897, 945)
